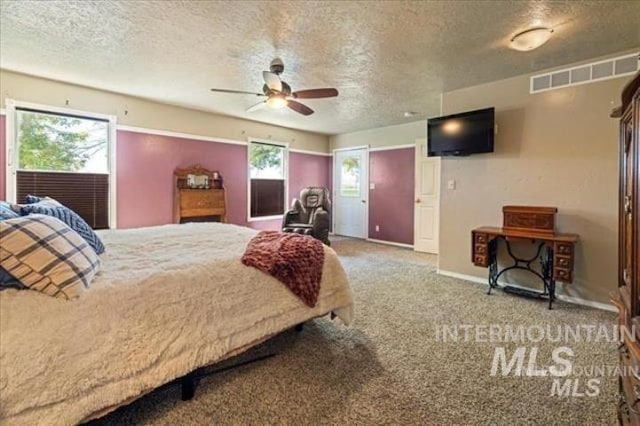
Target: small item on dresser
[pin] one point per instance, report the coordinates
(198, 181)
(293, 259)
(529, 218)
(217, 180)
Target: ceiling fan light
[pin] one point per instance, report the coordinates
(530, 39)
(277, 102)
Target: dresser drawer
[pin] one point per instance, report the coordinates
(629, 408)
(203, 199)
(201, 204)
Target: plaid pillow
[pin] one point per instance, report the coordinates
(45, 255)
(51, 207)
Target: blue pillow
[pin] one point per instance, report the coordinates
(51, 207)
(8, 281)
(30, 199)
(6, 212)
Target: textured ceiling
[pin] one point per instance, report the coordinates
(384, 57)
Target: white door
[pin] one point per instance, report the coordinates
(351, 192)
(427, 201)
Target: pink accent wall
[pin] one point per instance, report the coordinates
(144, 175)
(304, 170)
(308, 170)
(145, 165)
(391, 202)
(3, 160)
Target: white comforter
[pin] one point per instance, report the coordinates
(167, 300)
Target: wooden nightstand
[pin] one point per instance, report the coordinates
(192, 204)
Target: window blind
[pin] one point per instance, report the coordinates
(267, 197)
(85, 193)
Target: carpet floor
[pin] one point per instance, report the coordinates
(390, 367)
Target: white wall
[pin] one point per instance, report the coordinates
(401, 134)
(557, 148)
(148, 114)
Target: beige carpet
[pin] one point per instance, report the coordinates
(388, 367)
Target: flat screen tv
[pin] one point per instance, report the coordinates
(461, 134)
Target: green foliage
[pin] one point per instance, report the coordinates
(51, 142)
(351, 165)
(265, 156)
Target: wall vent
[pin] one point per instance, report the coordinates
(596, 71)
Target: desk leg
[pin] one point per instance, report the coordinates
(547, 274)
(493, 264)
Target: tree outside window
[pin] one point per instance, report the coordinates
(267, 179)
(61, 143)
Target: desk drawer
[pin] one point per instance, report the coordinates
(480, 238)
(564, 262)
(564, 249)
(562, 274)
(480, 249)
(480, 260)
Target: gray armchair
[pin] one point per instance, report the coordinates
(309, 215)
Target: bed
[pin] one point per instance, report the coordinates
(167, 301)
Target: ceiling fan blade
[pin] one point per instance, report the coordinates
(315, 93)
(272, 80)
(241, 92)
(298, 107)
(257, 106)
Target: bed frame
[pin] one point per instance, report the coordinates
(189, 382)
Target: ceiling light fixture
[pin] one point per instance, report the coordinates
(530, 39)
(277, 102)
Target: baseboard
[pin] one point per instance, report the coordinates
(564, 298)
(390, 243)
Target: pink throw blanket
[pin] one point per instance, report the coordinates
(295, 260)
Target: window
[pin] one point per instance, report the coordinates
(267, 179)
(62, 156)
(350, 177)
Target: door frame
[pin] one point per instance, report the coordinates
(334, 180)
(421, 146)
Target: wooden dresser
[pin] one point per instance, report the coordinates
(627, 298)
(199, 196)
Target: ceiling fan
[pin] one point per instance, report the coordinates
(278, 94)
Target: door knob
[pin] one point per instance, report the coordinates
(417, 200)
(363, 201)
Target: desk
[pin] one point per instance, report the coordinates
(198, 204)
(554, 251)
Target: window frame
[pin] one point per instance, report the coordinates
(11, 148)
(285, 168)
